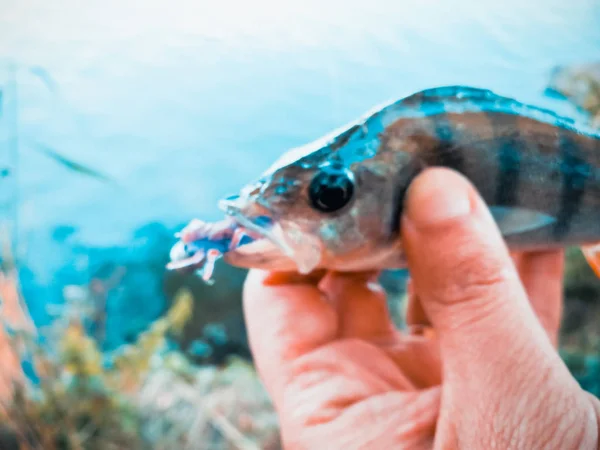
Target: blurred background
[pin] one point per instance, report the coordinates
(122, 120)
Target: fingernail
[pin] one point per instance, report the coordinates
(436, 196)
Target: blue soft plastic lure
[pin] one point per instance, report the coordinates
(202, 244)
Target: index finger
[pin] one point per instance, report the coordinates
(286, 316)
(542, 275)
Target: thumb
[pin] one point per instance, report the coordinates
(468, 284)
(503, 381)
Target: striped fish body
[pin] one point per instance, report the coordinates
(336, 203)
(538, 172)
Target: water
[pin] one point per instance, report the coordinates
(182, 102)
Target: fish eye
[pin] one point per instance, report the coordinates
(330, 190)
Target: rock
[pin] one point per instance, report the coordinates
(217, 319)
(8, 438)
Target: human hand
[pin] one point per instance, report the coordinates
(487, 376)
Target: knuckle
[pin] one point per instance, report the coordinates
(476, 275)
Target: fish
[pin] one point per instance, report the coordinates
(70, 164)
(336, 203)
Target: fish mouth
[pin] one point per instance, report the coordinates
(276, 244)
(258, 226)
(248, 237)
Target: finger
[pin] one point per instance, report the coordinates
(416, 317)
(542, 275)
(361, 305)
(286, 316)
(467, 282)
(596, 407)
(398, 420)
(363, 313)
(418, 355)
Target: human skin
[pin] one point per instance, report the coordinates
(11, 311)
(478, 368)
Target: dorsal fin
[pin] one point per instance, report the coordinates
(458, 92)
(485, 99)
(467, 99)
(365, 130)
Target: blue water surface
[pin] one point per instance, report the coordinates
(182, 102)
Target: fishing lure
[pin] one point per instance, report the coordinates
(336, 203)
(202, 244)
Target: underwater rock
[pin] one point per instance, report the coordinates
(219, 307)
(217, 320)
(124, 288)
(123, 284)
(8, 438)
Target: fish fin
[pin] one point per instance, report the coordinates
(592, 255)
(512, 220)
(456, 92)
(482, 100)
(461, 91)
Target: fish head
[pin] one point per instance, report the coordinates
(332, 208)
